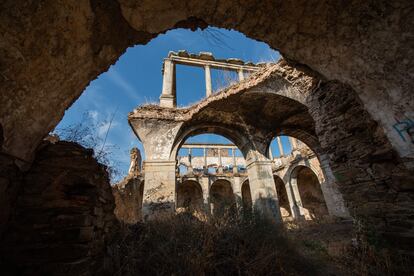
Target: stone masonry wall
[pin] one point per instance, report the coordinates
(10, 180)
(377, 187)
(128, 199)
(63, 217)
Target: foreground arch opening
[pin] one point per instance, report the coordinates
(222, 199)
(189, 195)
(310, 191)
(285, 210)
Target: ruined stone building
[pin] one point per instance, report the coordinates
(292, 179)
(344, 88)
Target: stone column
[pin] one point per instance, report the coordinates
(270, 153)
(208, 80)
(293, 143)
(168, 96)
(279, 144)
(241, 74)
(235, 169)
(205, 161)
(159, 188)
(262, 188)
(157, 138)
(293, 200)
(220, 167)
(296, 203)
(204, 182)
(236, 186)
(333, 198)
(190, 168)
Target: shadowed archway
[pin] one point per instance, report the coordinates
(285, 210)
(222, 200)
(246, 196)
(189, 195)
(310, 192)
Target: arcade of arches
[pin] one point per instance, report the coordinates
(344, 88)
(202, 190)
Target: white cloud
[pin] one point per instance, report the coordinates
(94, 115)
(126, 87)
(103, 128)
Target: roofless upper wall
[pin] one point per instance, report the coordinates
(205, 60)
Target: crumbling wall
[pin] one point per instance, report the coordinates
(128, 199)
(63, 217)
(377, 187)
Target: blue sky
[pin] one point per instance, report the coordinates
(136, 79)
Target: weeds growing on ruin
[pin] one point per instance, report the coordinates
(185, 245)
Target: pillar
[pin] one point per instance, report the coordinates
(270, 153)
(235, 169)
(296, 201)
(236, 186)
(208, 80)
(190, 168)
(279, 144)
(160, 167)
(220, 167)
(333, 197)
(293, 143)
(168, 96)
(205, 161)
(159, 188)
(263, 190)
(205, 186)
(241, 74)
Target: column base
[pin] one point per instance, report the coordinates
(263, 189)
(159, 189)
(168, 101)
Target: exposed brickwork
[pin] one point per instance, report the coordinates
(375, 184)
(64, 214)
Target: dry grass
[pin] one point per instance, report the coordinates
(184, 245)
(247, 245)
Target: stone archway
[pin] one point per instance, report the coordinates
(285, 210)
(98, 32)
(222, 200)
(311, 196)
(246, 196)
(363, 120)
(189, 195)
